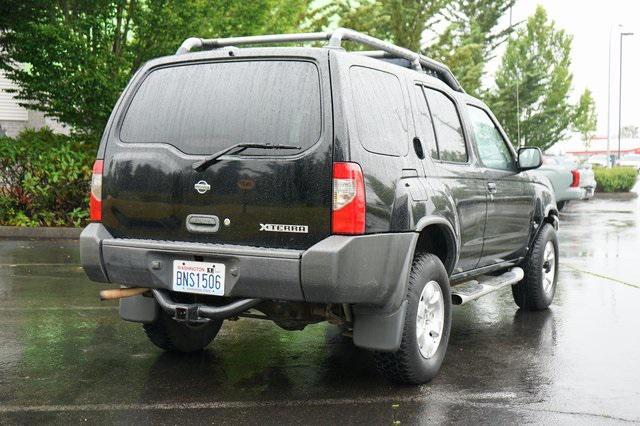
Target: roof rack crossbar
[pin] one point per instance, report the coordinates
(335, 39)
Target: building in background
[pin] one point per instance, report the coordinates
(14, 118)
(575, 147)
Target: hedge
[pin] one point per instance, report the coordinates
(615, 179)
(44, 179)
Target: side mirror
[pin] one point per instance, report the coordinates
(529, 157)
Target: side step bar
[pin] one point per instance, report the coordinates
(471, 290)
(197, 312)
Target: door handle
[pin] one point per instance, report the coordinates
(491, 187)
(417, 146)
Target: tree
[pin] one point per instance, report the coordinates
(469, 41)
(534, 75)
(585, 119)
(72, 58)
(399, 21)
(466, 44)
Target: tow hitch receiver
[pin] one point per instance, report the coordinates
(187, 313)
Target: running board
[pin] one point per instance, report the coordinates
(485, 284)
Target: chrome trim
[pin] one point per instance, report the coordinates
(204, 248)
(471, 290)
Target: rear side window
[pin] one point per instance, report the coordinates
(204, 108)
(380, 114)
(424, 124)
(446, 121)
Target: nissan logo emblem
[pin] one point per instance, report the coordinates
(202, 187)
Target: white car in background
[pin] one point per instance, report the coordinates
(630, 160)
(569, 180)
(587, 176)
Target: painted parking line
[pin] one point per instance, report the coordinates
(595, 274)
(216, 405)
(60, 308)
(15, 265)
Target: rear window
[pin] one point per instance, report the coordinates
(380, 114)
(203, 108)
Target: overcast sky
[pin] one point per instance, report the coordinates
(589, 22)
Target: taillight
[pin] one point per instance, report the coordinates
(95, 199)
(348, 199)
(575, 181)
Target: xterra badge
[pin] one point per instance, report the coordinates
(202, 187)
(274, 227)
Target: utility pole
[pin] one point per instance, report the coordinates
(620, 95)
(609, 104)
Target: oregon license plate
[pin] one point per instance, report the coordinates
(198, 277)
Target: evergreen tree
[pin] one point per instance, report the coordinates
(466, 44)
(399, 21)
(470, 39)
(534, 75)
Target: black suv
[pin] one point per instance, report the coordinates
(308, 184)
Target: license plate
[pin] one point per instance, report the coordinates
(198, 277)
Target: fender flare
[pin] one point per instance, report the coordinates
(453, 235)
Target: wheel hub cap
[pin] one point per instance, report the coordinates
(548, 267)
(430, 319)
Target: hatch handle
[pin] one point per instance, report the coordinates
(202, 223)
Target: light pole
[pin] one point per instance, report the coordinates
(609, 104)
(620, 95)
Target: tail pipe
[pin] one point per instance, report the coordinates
(121, 293)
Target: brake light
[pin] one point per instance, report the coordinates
(575, 182)
(95, 199)
(348, 216)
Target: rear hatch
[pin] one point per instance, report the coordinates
(177, 114)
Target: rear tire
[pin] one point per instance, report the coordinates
(536, 290)
(561, 205)
(174, 336)
(426, 328)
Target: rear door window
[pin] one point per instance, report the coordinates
(446, 121)
(204, 108)
(424, 124)
(380, 114)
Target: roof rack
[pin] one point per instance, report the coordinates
(335, 38)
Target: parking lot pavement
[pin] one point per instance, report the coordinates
(65, 357)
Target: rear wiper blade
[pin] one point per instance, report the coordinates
(234, 150)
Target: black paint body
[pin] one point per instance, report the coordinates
(148, 188)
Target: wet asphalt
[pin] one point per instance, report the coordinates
(65, 357)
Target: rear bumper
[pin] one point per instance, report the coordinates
(589, 191)
(571, 194)
(367, 269)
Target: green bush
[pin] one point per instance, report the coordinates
(44, 179)
(615, 179)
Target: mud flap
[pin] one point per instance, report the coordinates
(378, 330)
(139, 309)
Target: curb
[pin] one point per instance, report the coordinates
(20, 232)
(615, 196)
